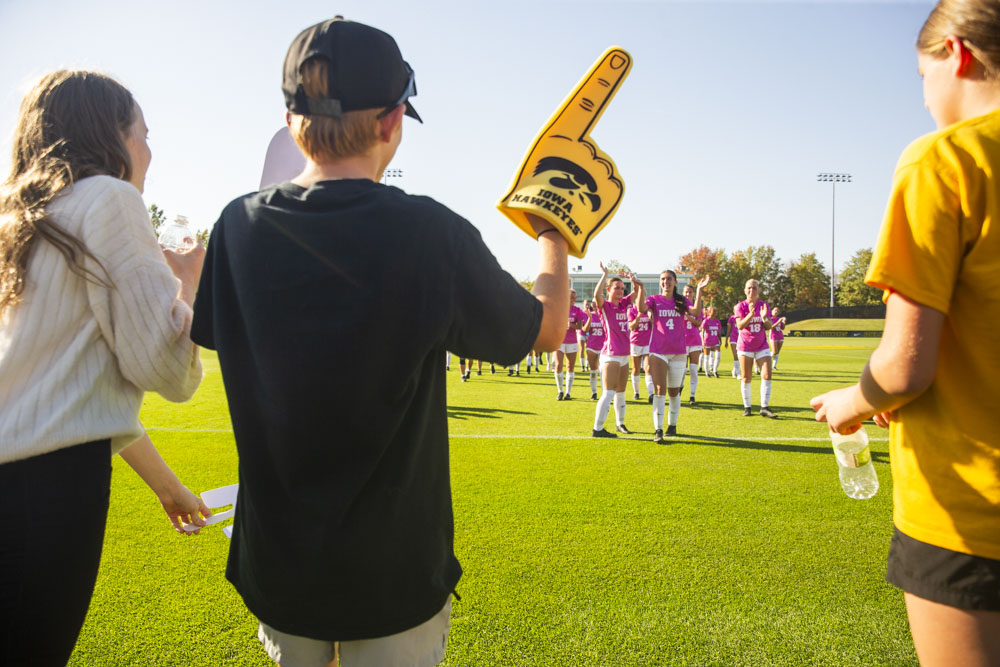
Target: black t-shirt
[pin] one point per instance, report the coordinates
(331, 309)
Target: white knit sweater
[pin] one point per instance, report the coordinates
(76, 357)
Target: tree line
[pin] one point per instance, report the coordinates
(801, 283)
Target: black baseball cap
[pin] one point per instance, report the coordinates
(367, 71)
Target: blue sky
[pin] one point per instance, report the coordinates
(730, 111)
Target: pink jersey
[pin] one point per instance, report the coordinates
(576, 316)
(616, 327)
(693, 334)
(595, 338)
(734, 333)
(753, 336)
(711, 327)
(669, 333)
(776, 326)
(641, 335)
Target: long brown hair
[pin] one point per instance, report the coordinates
(71, 125)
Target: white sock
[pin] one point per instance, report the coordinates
(593, 382)
(559, 382)
(569, 381)
(702, 358)
(765, 393)
(517, 367)
(715, 362)
(659, 403)
(745, 391)
(675, 410)
(635, 383)
(447, 358)
(693, 368)
(620, 408)
(775, 364)
(601, 412)
(650, 388)
(736, 366)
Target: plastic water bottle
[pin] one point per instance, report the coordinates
(854, 458)
(177, 235)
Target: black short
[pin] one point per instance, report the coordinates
(942, 575)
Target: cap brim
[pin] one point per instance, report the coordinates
(412, 113)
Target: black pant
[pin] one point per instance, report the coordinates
(53, 509)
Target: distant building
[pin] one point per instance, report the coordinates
(584, 283)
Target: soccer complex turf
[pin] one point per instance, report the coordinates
(733, 545)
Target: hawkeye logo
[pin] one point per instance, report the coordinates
(571, 179)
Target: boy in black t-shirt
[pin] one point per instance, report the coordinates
(344, 531)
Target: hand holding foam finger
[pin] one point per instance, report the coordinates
(565, 178)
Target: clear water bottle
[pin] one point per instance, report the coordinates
(854, 458)
(177, 235)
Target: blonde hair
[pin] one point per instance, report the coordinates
(326, 138)
(71, 125)
(975, 22)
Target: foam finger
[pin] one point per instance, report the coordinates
(584, 106)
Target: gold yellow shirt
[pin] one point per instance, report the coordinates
(940, 246)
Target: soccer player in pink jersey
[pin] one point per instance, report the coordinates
(614, 354)
(568, 350)
(777, 336)
(693, 333)
(753, 321)
(594, 328)
(668, 357)
(639, 333)
(734, 334)
(710, 329)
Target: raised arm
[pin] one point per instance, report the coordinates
(697, 293)
(638, 294)
(599, 289)
(550, 285)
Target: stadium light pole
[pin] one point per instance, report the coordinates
(391, 173)
(833, 179)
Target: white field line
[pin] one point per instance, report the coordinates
(519, 437)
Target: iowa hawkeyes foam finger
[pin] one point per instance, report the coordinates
(565, 178)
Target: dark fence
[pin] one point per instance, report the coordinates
(839, 312)
(833, 334)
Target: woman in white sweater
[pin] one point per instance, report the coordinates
(91, 316)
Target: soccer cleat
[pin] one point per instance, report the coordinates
(529, 370)
(602, 434)
(747, 412)
(479, 372)
(593, 396)
(766, 412)
(468, 374)
(567, 397)
(465, 379)
(650, 399)
(559, 396)
(447, 368)
(671, 429)
(623, 429)
(510, 372)
(691, 401)
(492, 369)
(636, 396)
(517, 373)
(658, 436)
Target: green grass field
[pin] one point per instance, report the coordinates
(837, 325)
(732, 546)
